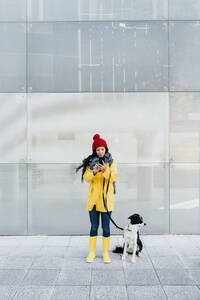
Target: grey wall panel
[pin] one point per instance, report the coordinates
(57, 198)
(98, 56)
(184, 9)
(12, 10)
(62, 10)
(185, 127)
(184, 44)
(185, 198)
(13, 126)
(143, 189)
(12, 57)
(61, 126)
(13, 199)
(53, 57)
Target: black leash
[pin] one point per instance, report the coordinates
(105, 203)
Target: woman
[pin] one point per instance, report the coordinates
(99, 169)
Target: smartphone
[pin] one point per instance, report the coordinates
(101, 161)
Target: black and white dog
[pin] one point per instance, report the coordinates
(132, 242)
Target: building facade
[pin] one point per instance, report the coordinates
(128, 70)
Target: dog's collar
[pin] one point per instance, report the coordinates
(128, 228)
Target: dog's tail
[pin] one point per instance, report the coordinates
(118, 249)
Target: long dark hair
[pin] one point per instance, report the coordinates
(86, 162)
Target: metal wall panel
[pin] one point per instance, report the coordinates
(57, 200)
(12, 10)
(13, 128)
(184, 48)
(62, 10)
(185, 199)
(13, 199)
(143, 189)
(184, 9)
(185, 127)
(61, 126)
(12, 57)
(98, 56)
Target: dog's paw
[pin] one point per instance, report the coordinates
(139, 254)
(130, 251)
(133, 260)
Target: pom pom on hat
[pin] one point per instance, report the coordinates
(98, 142)
(96, 136)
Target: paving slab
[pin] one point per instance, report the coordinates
(7, 250)
(146, 293)
(50, 251)
(12, 277)
(76, 263)
(195, 274)
(15, 262)
(48, 263)
(7, 241)
(33, 293)
(57, 241)
(167, 262)
(182, 292)
(188, 250)
(109, 293)
(195, 240)
(41, 277)
(8, 291)
(143, 262)
(175, 277)
(155, 240)
(161, 251)
(79, 241)
(26, 251)
(74, 277)
(108, 277)
(34, 241)
(71, 293)
(141, 277)
(78, 252)
(191, 262)
(114, 265)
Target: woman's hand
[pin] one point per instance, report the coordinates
(103, 167)
(96, 169)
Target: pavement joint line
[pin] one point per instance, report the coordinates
(157, 274)
(126, 285)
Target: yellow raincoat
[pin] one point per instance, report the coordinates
(95, 192)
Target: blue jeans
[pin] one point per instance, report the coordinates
(105, 222)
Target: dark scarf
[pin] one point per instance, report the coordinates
(95, 160)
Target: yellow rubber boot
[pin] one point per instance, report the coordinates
(106, 242)
(91, 256)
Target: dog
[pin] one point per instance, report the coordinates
(132, 242)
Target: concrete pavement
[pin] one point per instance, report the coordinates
(54, 267)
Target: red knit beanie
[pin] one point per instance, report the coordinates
(98, 142)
